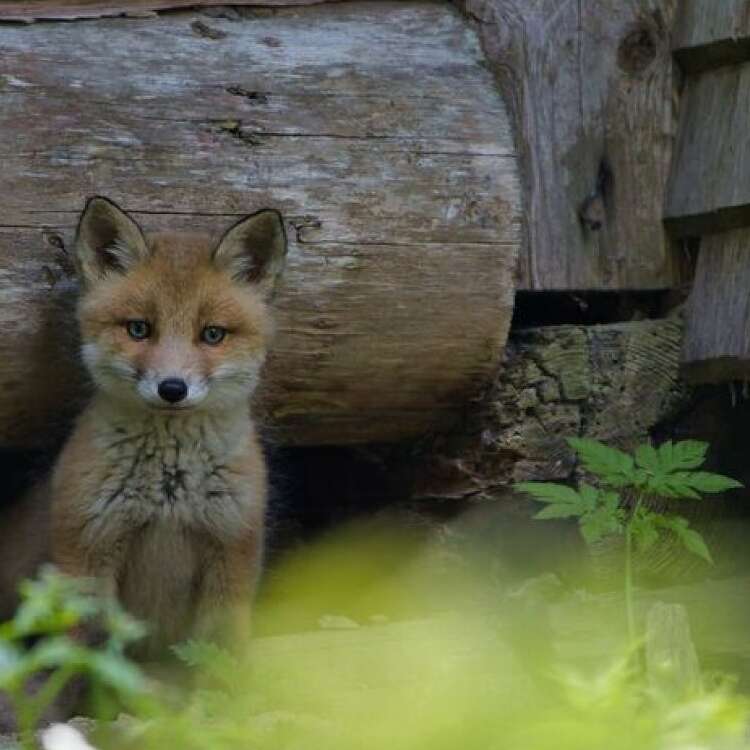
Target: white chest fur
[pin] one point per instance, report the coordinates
(169, 472)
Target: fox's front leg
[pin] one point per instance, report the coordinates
(228, 582)
(99, 564)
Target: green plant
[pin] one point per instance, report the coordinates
(620, 502)
(52, 610)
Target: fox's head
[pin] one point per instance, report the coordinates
(175, 321)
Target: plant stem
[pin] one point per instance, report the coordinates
(32, 708)
(629, 584)
(629, 603)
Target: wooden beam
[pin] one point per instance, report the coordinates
(709, 190)
(709, 34)
(594, 92)
(717, 328)
(373, 127)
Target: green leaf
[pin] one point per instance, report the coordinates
(562, 501)
(558, 510)
(610, 500)
(115, 671)
(11, 658)
(666, 451)
(689, 484)
(703, 481)
(549, 492)
(694, 543)
(645, 530)
(690, 538)
(687, 454)
(647, 457)
(214, 660)
(599, 523)
(590, 496)
(56, 652)
(675, 485)
(611, 465)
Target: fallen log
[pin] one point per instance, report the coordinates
(380, 136)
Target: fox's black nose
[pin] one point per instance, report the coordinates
(173, 390)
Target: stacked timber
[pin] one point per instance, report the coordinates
(593, 87)
(708, 201)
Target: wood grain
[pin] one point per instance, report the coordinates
(709, 34)
(33, 10)
(717, 328)
(613, 383)
(709, 190)
(672, 665)
(593, 85)
(374, 127)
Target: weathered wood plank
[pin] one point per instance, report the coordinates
(671, 661)
(374, 127)
(593, 84)
(717, 326)
(32, 10)
(709, 34)
(709, 190)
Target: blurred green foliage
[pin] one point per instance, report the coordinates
(47, 637)
(372, 639)
(620, 502)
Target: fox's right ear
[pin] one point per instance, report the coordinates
(253, 250)
(107, 241)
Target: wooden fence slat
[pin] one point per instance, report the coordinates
(709, 190)
(717, 327)
(710, 33)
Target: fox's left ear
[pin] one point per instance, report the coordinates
(253, 251)
(107, 241)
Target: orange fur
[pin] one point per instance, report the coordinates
(164, 502)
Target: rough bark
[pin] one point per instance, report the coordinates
(594, 89)
(374, 127)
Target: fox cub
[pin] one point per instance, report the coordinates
(160, 492)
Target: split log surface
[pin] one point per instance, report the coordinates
(593, 84)
(610, 382)
(375, 128)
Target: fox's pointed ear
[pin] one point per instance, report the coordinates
(253, 251)
(107, 241)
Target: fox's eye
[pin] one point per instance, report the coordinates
(138, 329)
(213, 335)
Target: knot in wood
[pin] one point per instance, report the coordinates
(637, 50)
(54, 240)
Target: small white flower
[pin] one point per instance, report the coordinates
(63, 737)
